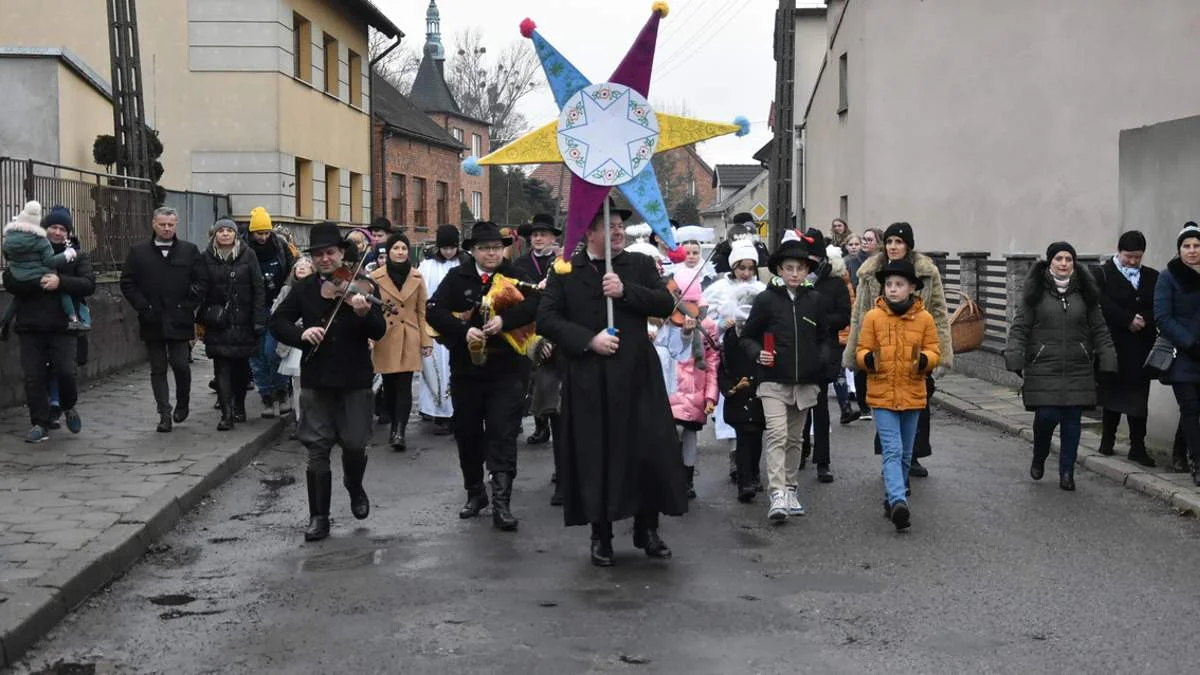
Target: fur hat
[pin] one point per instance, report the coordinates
(59, 215)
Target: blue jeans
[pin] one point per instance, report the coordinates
(897, 431)
(1068, 419)
(265, 367)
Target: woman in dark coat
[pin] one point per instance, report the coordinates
(1127, 299)
(1177, 310)
(234, 316)
(1053, 343)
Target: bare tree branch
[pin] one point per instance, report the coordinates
(490, 89)
(400, 65)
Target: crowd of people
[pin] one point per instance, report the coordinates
(621, 361)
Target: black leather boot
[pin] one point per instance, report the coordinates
(320, 487)
(226, 422)
(477, 501)
(541, 431)
(691, 481)
(1138, 454)
(556, 499)
(602, 550)
(915, 469)
(239, 405)
(1066, 480)
(1038, 468)
(397, 440)
(502, 518)
(164, 423)
(849, 414)
(645, 537)
(354, 467)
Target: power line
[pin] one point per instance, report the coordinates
(690, 42)
(699, 44)
(692, 14)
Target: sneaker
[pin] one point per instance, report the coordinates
(37, 434)
(794, 507)
(78, 326)
(865, 416)
(901, 516)
(778, 511)
(74, 424)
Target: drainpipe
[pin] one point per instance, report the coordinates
(371, 121)
(383, 177)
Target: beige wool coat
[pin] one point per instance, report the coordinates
(400, 349)
(933, 296)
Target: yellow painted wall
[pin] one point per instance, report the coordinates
(349, 31)
(318, 127)
(83, 114)
(78, 25)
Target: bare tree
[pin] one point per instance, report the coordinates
(490, 88)
(400, 65)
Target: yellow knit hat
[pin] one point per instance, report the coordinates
(260, 220)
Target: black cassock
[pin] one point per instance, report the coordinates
(620, 452)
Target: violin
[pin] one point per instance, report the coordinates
(344, 283)
(684, 309)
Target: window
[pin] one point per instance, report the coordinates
(304, 188)
(399, 201)
(843, 102)
(477, 204)
(462, 196)
(302, 48)
(443, 197)
(356, 202)
(419, 204)
(456, 133)
(331, 65)
(477, 145)
(691, 186)
(355, 79)
(333, 194)
(844, 207)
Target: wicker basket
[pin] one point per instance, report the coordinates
(966, 326)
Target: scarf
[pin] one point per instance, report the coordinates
(398, 272)
(227, 254)
(1133, 274)
(1061, 284)
(900, 308)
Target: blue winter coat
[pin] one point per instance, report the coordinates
(1177, 311)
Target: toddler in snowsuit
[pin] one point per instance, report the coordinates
(30, 256)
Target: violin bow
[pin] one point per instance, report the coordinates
(340, 301)
(683, 292)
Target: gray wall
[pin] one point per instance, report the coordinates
(29, 127)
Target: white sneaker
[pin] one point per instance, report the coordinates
(778, 511)
(794, 507)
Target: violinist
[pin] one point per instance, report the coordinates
(398, 355)
(487, 387)
(335, 374)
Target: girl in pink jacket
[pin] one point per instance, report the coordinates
(696, 388)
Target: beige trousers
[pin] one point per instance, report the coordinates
(785, 408)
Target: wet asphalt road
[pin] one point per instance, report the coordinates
(997, 575)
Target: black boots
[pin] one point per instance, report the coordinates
(226, 422)
(164, 423)
(1138, 454)
(397, 441)
(320, 486)
(541, 431)
(239, 405)
(1066, 480)
(1038, 468)
(645, 537)
(477, 501)
(691, 481)
(917, 470)
(849, 414)
(602, 550)
(354, 467)
(502, 518)
(824, 475)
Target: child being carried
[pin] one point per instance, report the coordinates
(30, 256)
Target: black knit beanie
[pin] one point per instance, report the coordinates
(1058, 247)
(902, 230)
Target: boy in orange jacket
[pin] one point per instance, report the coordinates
(897, 348)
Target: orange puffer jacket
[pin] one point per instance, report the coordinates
(897, 382)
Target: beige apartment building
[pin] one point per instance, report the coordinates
(988, 125)
(265, 100)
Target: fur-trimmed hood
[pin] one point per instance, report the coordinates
(1187, 278)
(924, 265)
(1039, 282)
(18, 226)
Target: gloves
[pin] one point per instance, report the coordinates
(869, 360)
(922, 363)
(70, 253)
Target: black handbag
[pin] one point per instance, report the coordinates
(1161, 356)
(216, 317)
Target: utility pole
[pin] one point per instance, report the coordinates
(129, 112)
(780, 196)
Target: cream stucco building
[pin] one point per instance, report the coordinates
(265, 100)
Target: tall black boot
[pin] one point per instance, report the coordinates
(1137, 443)
(541, 430)
(502, 517)
(1108, 432)
(354, 467)
(602, 550)
(320, 487)
(556, 499)
(645, 536)
(1179, 453)
(1038, 468)
(226, 422)
(239, 404)
(691, 481)
(477, 501)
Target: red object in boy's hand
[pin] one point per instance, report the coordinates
(769, 344)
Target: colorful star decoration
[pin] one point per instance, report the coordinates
(607, 133)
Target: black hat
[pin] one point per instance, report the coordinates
(902, 268)
(1190, 230)
(381, 223)
(393, 238)
(447, 235)
(542, 222)
(1058, 247)
(59, 215)
(743, 217)
(612, 209)
(324, 235)
(485, 230)
(1132, 241)
(817, 247)
(902, 230)
(790, 249)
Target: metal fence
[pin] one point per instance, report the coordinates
(110, 212)
(197, 213)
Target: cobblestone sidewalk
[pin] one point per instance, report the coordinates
(78, 510)
(1001, 407)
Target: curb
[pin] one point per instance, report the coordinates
(27, 616)
(1133, 476)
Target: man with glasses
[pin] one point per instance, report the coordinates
(487, 375)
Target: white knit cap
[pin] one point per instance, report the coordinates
(743, 251)
(30, 215)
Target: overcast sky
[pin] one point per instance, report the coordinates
(715, 55)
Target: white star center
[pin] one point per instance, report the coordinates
(607, 134)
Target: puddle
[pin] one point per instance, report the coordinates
(173, 599)
(67, 668)
(224, 540)
(180, 613)
(278, 481)
(346, 559)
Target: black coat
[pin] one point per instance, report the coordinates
(742, 408)
(38, 310)
(239, 283)
(165, 291)
(1128, 392)
(836, 312)
(804, 344)
(344, 359)
(275, 261)
(534, 272)
(620, 452)
(461, 290)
